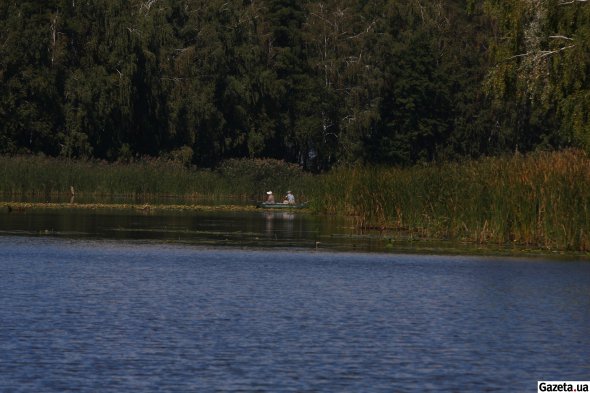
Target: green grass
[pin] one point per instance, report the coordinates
(541, 200)
(27, 175)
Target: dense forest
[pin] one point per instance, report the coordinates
(317, 83)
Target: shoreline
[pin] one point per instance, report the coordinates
(540, 199)
(394, 241)
(24, 206)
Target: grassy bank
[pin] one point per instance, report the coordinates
(26, 206)
(541, 200)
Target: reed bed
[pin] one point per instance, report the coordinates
(541, 200)
(27, 175)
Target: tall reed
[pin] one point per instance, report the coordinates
(27, 175)
(541, 200)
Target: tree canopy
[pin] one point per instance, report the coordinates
(318, 83)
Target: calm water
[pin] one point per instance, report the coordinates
(98, 315)
(265, 229)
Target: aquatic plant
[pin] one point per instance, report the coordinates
(38, 175)
(541, 200)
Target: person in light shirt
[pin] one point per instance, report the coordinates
(289, 198)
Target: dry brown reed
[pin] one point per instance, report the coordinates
(541, 200)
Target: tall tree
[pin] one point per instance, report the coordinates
(415, 106)
(113, 98)
(32, 59)
(340, 106)
(539, 82)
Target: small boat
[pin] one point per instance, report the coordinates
(266, 205)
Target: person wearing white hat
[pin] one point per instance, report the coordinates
(271, 197)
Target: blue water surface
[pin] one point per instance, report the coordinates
(103, 316)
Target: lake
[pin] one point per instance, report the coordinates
(122, 308)
(264, 229)
(260, 228)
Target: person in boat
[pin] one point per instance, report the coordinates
(289, 198)
(270, 198)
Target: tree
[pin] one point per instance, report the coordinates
(538, 84)
(32, 61)
(416, 114)
(340, 107)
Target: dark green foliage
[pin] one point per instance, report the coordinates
(316, 83)
(254, 177)
(539, 82)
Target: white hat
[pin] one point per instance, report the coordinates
(269, 192)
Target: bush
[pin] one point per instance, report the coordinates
(255, 176)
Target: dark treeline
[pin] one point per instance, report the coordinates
(317, 83)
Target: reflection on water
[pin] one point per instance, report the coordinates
(282, 220)
(251, 228)
(258, 228)
(104, 316)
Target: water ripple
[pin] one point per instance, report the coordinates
(112, 317)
